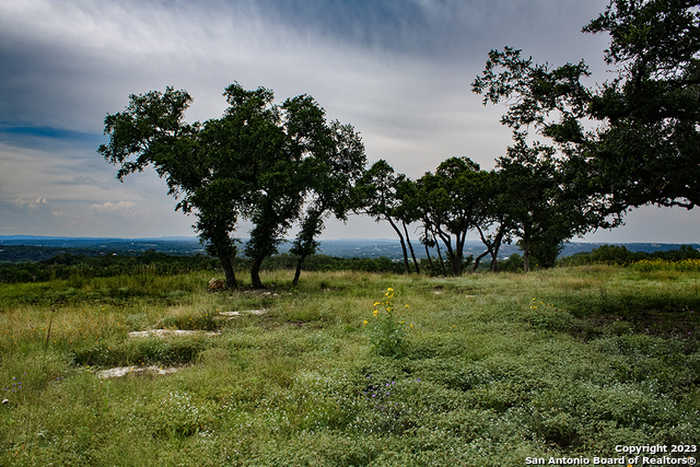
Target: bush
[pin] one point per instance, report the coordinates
(618, 254)
(514, 263)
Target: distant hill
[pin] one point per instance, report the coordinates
(18, 248)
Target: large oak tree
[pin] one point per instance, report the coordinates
(645, 144)
(258, 161)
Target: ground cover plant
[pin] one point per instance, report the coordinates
(495, 368)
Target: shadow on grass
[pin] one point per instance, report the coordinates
(620, 313)
(141, 352)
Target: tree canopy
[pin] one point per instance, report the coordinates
(259, 161)
(452, 205)
(646, 147)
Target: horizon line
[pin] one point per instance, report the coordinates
(195, 238)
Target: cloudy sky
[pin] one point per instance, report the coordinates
(399, 71)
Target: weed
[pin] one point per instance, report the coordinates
(387, 332)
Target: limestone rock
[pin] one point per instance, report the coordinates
(120, 371)
(230, 314)
(172, 333)
(216, 284)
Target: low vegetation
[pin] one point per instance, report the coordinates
(483, 369)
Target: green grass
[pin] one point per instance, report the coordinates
(603, 356)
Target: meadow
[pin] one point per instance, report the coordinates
(491, 368)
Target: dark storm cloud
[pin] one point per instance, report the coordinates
(66, 65)
(399, 71)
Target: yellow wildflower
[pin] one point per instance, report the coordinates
(364, 323)
(411, 325)
(375, 312)
(406, 305)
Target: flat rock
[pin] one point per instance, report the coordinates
(172, 333)
(235, 314)
(255, 312)
(120, 371)
(230, 314)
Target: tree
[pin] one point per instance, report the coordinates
(265, 132)
(254, 162)
(151, 131)
(646, 147)
(377, 196)
(651, 111)
(407, 211)
(297, 155)
(497, 223)
(450, 205)
(541, 202)
(332, 176)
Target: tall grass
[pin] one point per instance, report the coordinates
(607, 355)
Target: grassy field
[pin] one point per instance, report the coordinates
(496, 368)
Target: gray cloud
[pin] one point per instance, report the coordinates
(399, 71)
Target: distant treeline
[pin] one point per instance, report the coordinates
(20, 253)
(617, 254)
(66, 266)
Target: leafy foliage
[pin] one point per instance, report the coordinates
(259, 161)
(378, 195)
(451, 204)
(645, 148)
(618, 254)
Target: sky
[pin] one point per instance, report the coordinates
(398, 71)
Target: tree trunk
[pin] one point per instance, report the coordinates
(494, 250)
(459, 250)
(442, 262)
(297, 273)
(410, 247)
(447, 241)
(457, 258)
(227, 264)
(493, 267)
(255, 273)
(427, 254)
(526, 256)
(478, 260)
(403, 245)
